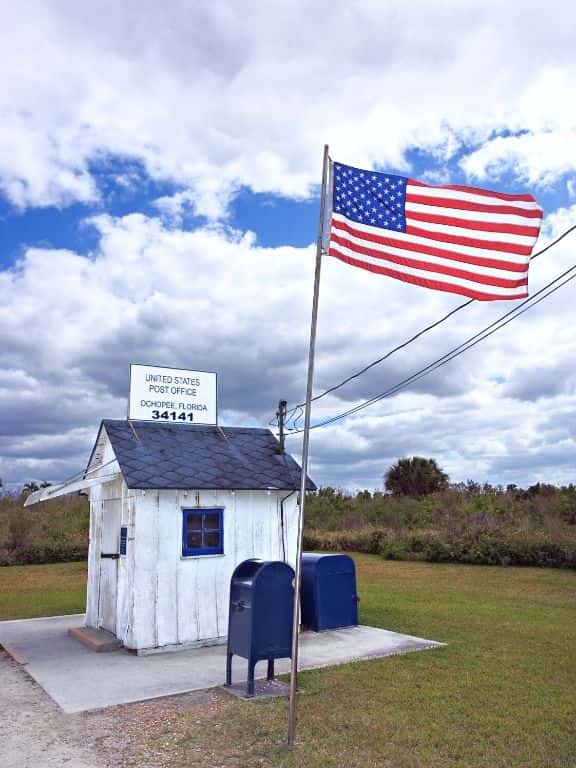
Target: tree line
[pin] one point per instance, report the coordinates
(420, 514)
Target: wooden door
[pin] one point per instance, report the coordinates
(109, 552)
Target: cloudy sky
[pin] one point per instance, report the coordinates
(159, 184)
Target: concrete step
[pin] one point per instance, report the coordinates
(99, 640)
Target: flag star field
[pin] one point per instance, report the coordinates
(370, 198)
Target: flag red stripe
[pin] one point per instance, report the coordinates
(393, 242)
(484, 226)
(430, 267)
(435, 284)
(464, 205)
(523, 250)
(524, 198)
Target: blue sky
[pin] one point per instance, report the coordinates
(124, 187)
(133, 168)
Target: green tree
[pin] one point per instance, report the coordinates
(415, 477)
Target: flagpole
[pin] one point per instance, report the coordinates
(305, 444)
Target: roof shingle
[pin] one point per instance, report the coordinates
(170, 456)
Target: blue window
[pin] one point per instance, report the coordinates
(202, 531)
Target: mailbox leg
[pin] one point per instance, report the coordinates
(229, 668)
(250, 684)
(270, 675)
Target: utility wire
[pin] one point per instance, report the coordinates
(298, 416)
(392, 351)
(433, 367)
(508, 317)
(416, 335)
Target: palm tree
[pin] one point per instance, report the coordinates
(415, 477)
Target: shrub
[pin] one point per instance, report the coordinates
(394, 549)
(55, 532)
(483, 547)
(567, 504)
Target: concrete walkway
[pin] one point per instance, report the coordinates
(78, 679)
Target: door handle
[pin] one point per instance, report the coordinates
(110, 555)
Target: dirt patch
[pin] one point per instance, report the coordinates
(35, 732)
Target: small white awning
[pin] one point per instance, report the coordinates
(73, 486)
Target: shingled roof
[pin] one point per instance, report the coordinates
(170, 456)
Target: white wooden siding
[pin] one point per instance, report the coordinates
(125, 604)
(185, 599)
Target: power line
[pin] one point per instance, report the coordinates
(496, 325)
(433, 367)
(392, 351)
(297, 418)
(416, 336)
(456, 352)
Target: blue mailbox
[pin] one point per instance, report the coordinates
(328, 598)
(260, 617)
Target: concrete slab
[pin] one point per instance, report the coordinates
(79, 679)
(263, 689)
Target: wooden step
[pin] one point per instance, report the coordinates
(99, 640)
(15, 653)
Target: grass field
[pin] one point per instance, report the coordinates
(500, 694)
(27, 591)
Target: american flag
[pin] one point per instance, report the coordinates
(449, 238)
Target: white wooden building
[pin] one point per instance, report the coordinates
(173, 510)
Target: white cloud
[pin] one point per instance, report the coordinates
(536, 158)
(213, 299)
(221, 95)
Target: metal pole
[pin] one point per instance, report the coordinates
(305, 444)
(281, 414)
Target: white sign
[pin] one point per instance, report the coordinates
(172, 395)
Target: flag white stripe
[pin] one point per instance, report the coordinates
(513, 258)
(448, 229)
(414, 255)
(468, 197)
(435, 276)
(465, 215)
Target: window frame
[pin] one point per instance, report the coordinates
(202, 551)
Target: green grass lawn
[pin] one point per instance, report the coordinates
(27, 591)
(501, 694)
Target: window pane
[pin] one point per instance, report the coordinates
(194, 540)
(194, 521)
(212, 521)
(212, 539)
